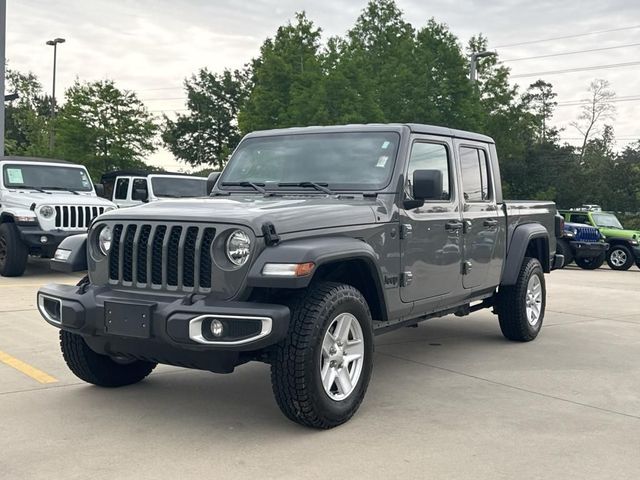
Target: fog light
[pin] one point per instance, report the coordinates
(43, 239)
(217, 328)
(62, 254)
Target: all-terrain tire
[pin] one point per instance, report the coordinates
(296, 360)
(591, 263)
(512, 300)
(619, 257)
(98, 369)
(13, 253)
(564, 249)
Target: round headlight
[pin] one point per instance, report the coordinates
(104, 240)
(47, 211)
(238, 247)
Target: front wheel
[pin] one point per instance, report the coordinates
(590, 263)
(521, 306)
(98, 369)
(13, 253)
(620, 257)
(321, 370)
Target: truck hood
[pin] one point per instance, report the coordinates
(617, 233)
(59, 198)
(288, 214)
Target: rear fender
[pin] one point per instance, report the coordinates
(523, 236)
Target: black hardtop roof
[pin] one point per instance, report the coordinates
(13, 158)
(140, 173)
(379, 127)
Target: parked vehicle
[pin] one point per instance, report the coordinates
(131, 188)
(314, 240)
(584, 244)
(42, 201)
(624, 246)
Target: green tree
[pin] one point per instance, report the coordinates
(104, 128)
(209, 132)
(288, 80)
(540, 99)
(27, 117)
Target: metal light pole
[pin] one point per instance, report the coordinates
(3, 35)
(53, 43)
(473, 63)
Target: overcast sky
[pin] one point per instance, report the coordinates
(151, 46)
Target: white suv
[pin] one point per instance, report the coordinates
(42, 202)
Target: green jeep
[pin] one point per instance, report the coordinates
(624, 244)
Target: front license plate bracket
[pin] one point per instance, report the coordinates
(128, 320)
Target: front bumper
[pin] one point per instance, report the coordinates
(174, 331)
(32, 235)
(588, 249)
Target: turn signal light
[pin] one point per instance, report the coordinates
(288, 269)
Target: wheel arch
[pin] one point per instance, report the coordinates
(340, 259)
(6, 218)
(528, 240)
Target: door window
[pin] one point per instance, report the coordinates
(475, 175)
(140, 191)
(429, 156)
(121, 189)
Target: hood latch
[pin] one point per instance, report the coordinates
(271, 237)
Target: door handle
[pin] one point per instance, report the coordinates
(490, 223)
(453, 226)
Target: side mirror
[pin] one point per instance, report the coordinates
(140, 195)
(99, 189)
(427, 185)
(211, 181)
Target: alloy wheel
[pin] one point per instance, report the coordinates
(342, 356)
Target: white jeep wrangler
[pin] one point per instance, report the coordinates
(42, 202)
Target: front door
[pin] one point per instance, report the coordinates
(481, 217)
(431, 235)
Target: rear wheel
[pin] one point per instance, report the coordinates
(321, 370)
(521, 306)
(99, 369)
(619, 257)
(13, 253)
(591, 263)
(564, 249)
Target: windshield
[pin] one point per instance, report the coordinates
(46, 177)
(606, 220)
(340, 161)
(179, 187)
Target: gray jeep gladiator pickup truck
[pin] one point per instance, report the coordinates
(313, 241)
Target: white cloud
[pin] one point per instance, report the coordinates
(151, 46)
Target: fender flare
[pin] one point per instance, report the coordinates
(77, 260)
(522, 235)
(321, 251)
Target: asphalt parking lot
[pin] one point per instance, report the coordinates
(450, 399)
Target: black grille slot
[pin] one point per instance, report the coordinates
(189, 257)
(156, 255)
(114, 254)
(172, 256)
(58, 217)
(143, 242)
(205, 257)
(127, 254)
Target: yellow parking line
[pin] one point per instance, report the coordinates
(28, 370)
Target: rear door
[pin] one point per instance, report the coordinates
(480, 214)
(121, 192)
(431, 250)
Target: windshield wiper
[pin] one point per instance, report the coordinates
(64, 189)
(322, 187)
(37, 189)
(255, 186)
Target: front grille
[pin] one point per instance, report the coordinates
(172, 257)
(587, 234)
(76, 217)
